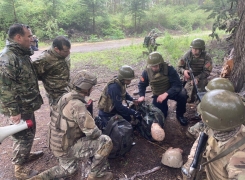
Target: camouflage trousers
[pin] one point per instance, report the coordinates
(97, 149)
(152, 48)
(22, 141)
(191, 92)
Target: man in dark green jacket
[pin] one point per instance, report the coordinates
(53, 68)
(19, 95)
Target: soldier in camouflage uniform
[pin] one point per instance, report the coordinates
(73, 134)
(53, 68)
(201, 65)
(215, 106)
(152, 44)
(165, 84)
(19, 95)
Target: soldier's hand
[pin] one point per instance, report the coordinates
(162, 97)
(141, 99)
(15, 119)
(186, 74)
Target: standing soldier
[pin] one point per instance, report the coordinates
(201, 65)
(73, 134)
(223, 113)
(53, 68)
(152, 44)
(165, 84)
(19, 95)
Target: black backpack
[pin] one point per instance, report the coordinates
(146, 41)
(121, 133)
(150, 114)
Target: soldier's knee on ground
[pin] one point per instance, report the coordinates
(106, 145)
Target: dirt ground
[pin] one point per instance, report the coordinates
(143, 156)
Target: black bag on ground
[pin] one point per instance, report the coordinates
(146, 41)
(150, 114)
(121, 133)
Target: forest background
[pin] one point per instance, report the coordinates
(96, 20)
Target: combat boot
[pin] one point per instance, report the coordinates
(24, 173)
(35, 155)
(107, 176)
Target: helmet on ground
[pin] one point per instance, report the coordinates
(220, 83)
(198, 44)
(157, 132)
(222, 110)
(173, 158)
(154, 58)
(83, 80)
(126, 72)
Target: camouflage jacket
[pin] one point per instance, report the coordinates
(19, 92)
(70, 121)
(230, 166)
(201, 66)
(54, 71)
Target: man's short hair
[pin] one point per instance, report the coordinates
(61, 41)
(17, 29)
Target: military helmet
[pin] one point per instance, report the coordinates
(155, 35)
(154, 58)
(173, 158)
(198, 44)
(222, 110)
(126, 72)
(157, 132)
(220, 83)
(83, 80)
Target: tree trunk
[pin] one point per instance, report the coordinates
(238, 75)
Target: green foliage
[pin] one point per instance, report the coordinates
(224, 13)
(94, 38)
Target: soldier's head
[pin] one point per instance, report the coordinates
(126, 74)
(154, 61)
(222, 110)
(197, 46)
(155, 35)
(83, 82)
(173, 158)
(21, 34)
(220, 83)
(62, 46)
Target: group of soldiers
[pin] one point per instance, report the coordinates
(72, 132)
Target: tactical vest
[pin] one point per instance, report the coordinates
(159, 82)
(215, 169)
(105, 102)
(63, 132)
(197, 64)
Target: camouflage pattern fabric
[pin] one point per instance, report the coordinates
(99, 149)
(152, 45)
(201, 67)
(230, 166)
(196, 129)
(19, 87)
(93, 145)
(22, 141)
(54, 71)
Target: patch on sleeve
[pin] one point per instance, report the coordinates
(142, 79)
